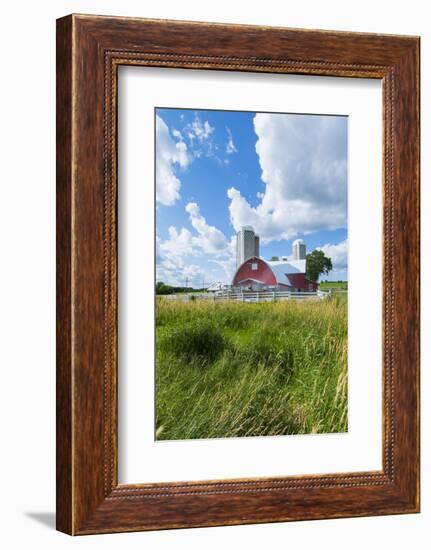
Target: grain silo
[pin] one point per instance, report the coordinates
(299, 250)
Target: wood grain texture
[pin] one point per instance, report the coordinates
(64, 497)
(90, 49)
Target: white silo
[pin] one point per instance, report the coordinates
(247, 244)
(298, 250)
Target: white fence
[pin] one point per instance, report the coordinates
(251, 297)
(265, 296)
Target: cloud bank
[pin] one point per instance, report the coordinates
(303, 160)
(208, 243)
(170, 153)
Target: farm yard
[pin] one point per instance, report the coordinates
(239, 370)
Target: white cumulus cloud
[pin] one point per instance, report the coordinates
(337, 253)
(209, 239)
(174, 271)
(177, 256)
(199, 130)
(303, 159)
(169, 154)
(171, 265)
(178, 244)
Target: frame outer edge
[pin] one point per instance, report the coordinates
(81, 506)
(64, 367)
(407, 289)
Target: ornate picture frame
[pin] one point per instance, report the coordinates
(89, 51)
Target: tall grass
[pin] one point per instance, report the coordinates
(233, 369)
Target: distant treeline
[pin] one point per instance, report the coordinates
(162, 288)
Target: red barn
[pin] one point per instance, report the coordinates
(258, 274)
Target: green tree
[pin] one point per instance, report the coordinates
(274, 259)
(161, 288)
(317, 264)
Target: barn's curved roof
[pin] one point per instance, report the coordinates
(281, 269)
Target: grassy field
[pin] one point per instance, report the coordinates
(339, 285)
(232, 369)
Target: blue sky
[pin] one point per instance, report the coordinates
(284, 174)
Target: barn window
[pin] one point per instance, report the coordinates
(254, 266)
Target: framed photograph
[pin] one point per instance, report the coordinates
(237, 274)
